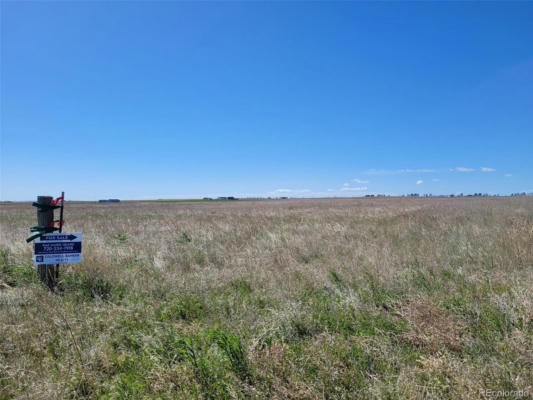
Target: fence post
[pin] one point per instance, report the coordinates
(44, 218)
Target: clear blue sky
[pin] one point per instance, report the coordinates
(177, 99)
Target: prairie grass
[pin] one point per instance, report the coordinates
(397, 298)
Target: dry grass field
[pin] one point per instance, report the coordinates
(385, 298)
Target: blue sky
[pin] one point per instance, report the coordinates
(179, 99)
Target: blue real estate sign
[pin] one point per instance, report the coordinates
(57, 248)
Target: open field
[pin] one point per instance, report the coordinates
(398, 298)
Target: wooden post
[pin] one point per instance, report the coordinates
(44, 218)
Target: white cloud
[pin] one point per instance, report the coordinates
(344, 189)
(331, 190)
(487, 169)
(346, 184)
(360, 181)
(419, 182)
(508, 175)
(463, 169)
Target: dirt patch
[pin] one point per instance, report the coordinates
(430, 326)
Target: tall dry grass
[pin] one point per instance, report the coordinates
(328, 298)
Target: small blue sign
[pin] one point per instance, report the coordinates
(57, 248)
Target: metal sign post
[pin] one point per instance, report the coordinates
(61, 228)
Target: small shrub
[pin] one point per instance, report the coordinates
(174, 348)
(379, 295)
(184, 238)
(91, 287)
(120, 237)
(200, 257)
(242, 287)
(186, 307)
(18, 275)
(231, 345)
(491, 324)
(15, 274)
(425, 281)
(336, 279)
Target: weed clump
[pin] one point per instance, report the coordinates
(91, 286)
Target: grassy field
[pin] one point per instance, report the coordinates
(396, 298)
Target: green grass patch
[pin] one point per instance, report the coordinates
(84, 286)
(120, 237)
(186, 307)
(323, 310)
